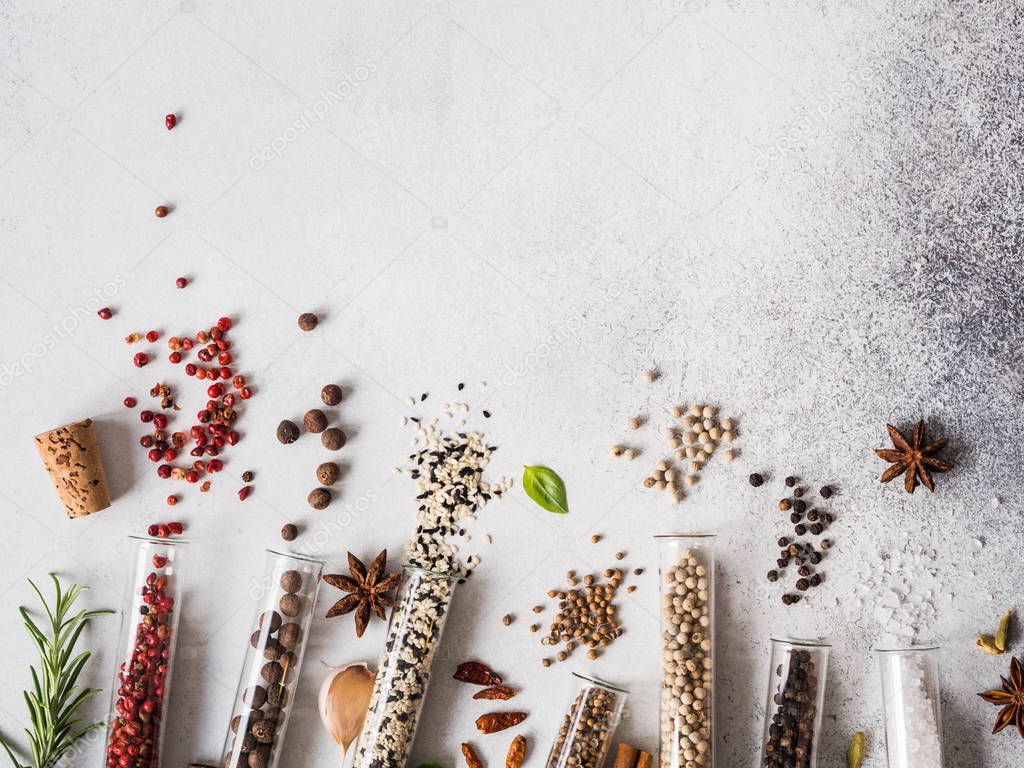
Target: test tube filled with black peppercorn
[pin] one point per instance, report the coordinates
(273, 658)
(149, 628)
(796, 693)
(585, 733)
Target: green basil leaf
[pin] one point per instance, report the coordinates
(545, 487)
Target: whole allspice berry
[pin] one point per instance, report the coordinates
(328, 473)
(333, 439)
(289, 531)
(319, 498)
(315, 421)
(263, 730)
(290, 635)
(307, 321)
(291, 582)
(331, 394)
(259, 757)
(290, 605)
(272, 672)
(287, 432)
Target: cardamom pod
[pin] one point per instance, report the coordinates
(855, 754)
(1002, 634)
(987, 643)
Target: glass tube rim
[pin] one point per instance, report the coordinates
(450, 575)
(907, 649)
(801, 642)
(599, 682)
(298, 556)
(686, 535)
(157, 540)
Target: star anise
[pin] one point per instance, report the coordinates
(914, 457)
(1010, 698)
(368, 588)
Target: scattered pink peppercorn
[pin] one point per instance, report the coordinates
(153, 530)
(186, 343)
(176, 528)
(130, 402)
(105, 313)
(159, 561)
(181, 282)
(214, 390)
(224, 323)
(140, 359)
(243, 492)
(190, 369)
(172, 500)
(174, 357)
(160, 421)
(192, 476)
(170, 455)
(155, 454)
(162, 531)
(171, 120)
(164, 471)
(238, 382)
(146, 441)
(145, 416)
(233, 437)
(205, 486)
(152, 336)
(214, 465)
(245, 393)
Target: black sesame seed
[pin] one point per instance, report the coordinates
(461, 386)
(487, 414)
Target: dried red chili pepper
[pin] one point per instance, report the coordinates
(501, 692)
(477, 673)
(492, 722)
(472, 761)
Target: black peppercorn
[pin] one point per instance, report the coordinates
(796, 517)
(331, 394)
(787, 599)
(773, 575)
(815, 557)
(287, 432)
(800, 529)
(826, 543)
(793, 598)
(319, 498)
(782, 562)
(794, 549)
(756, 480)
(816, 580)
(247, 476)
(333, 439)
(798, 492)
(308, 321)
(812, 515)
(800, 506)
(804, 570)
(784, 541)
(802, 584)
(825, 492)
(816, 528)
(827, 518)
(790, 481)
(328, 473)
(314, 421)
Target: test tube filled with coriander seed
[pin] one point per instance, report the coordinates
(686, 573)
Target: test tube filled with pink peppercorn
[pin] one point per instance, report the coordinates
(149, 628)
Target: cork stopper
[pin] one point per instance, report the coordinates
(71, 454)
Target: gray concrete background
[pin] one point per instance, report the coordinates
(805, 214)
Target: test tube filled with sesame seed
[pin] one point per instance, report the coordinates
(687, 711)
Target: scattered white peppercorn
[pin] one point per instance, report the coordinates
(634, 423)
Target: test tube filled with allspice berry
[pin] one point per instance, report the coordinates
(687, 708)
(796, 694)
(266, 691)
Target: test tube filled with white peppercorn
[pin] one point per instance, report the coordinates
(687, 577)
(910, 694)
(796, 694)
(414, 634)
(285, 597)
(585, 734)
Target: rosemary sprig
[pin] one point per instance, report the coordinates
(55, 696)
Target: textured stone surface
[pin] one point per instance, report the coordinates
(807, 215)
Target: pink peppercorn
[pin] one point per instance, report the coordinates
(130, 402)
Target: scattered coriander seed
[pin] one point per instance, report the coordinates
(727, 424)
(506, 619)
(247, 476)
(289, 531)
(595, 538)
(619, 555)
(617, 450)
(634, 423)
(308, 321)
(756, 480)
(790, 481)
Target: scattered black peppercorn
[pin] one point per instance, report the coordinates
(826, 543)
(319, 498)
(790, 481)
(816, 580)
(812, 515)
(773, 575)
(333, 439)
(798, 492)
(782, 562)
(289, 531)
(796, 517)
(287, 432)
(247, 476)
(331, 394)
(815, 557)
(787, 599)
(800, 529)
(756, 480)
(802, 584)
(784, 541)
(804, 570)
(314, 421)
(816, 529)
(307, 321)
(825, 492)
(800, 506)
(328, 473)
